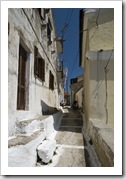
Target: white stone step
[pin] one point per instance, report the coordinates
(22, 147)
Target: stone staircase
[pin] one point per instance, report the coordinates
(31, 133)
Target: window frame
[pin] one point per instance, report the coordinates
(42, 13)
(39, 65)
(51, 80)
(21, 90)
(49, 32)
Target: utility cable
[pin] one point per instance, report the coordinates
(67, 15)
(106, 90)
(74, 63)
(109, 58)
(97, 17)
(96, 25)
(66, 23)
(70, 16)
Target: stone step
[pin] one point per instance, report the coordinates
(22, 139)
(30, 134)
(27, 126)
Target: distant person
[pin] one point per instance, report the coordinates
(75, 105)
(62, 103)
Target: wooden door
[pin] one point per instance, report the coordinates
(21, 79)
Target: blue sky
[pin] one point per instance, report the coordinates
(70, 17)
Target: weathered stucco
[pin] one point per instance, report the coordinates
(27, 29)
(97, 59)
(103, 140)
(98, 91)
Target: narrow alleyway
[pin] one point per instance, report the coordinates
(70, 138)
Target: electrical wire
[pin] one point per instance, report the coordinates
(96, 25)
(106, 89)
(109, 59)
(74, 63)
(97, 17)
(67, 16)
(68, 33)
(70, 17)
(66, 23)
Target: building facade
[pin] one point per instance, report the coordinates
(97, 59)
(77, 91)
(33, 87)
(67, 98)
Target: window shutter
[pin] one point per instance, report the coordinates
(51, 81)
(49, 29)
(21, 78)
(42, 13)
(35, 60)
(43, 70)
(8, 28)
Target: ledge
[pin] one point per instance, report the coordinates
(103, 140)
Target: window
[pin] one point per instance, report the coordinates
(49, 29)
(41, 69)
(41, 13)
(39, 65)
(21, 96)
(51, 81)
(8, 28)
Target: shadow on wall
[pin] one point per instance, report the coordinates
(97, 70)
(47, 110)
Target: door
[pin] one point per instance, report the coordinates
(21, 79)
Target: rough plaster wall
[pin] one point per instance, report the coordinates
(79, 97)
(94, 91)
(98, 91)
(20, 27)
(103, 140)
(86, 85)
(102, 37)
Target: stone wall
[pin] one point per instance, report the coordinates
(102, 137)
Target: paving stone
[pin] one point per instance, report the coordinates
(72, 158)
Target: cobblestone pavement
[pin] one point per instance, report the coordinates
(70, 138)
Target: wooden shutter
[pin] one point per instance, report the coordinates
(43, 70)
(41, 12)
(21, 78)
(35, 60)
(49, 29)
(8, 28)
(51, 81)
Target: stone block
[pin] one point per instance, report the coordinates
(46, 150)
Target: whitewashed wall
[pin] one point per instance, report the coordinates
(37, 91)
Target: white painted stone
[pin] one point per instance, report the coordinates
(24, 155)
(46, 150)
(23, 127)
